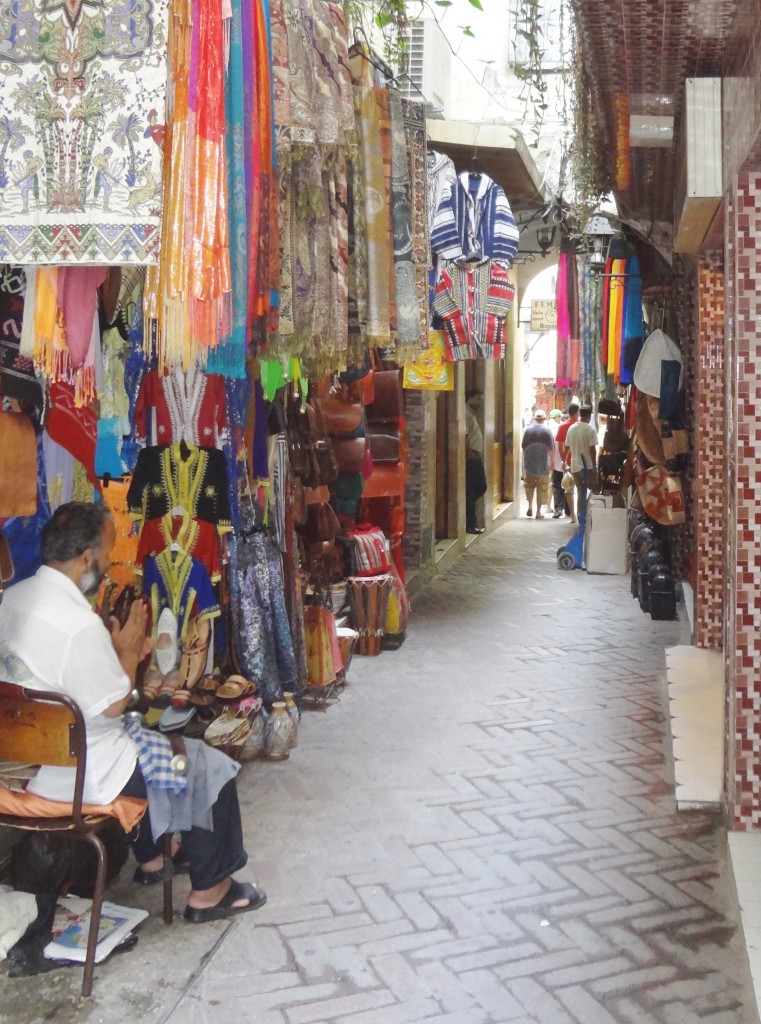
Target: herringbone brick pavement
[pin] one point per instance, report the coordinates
(484, 828)
(482, 831)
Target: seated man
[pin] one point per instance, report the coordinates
(48, 623)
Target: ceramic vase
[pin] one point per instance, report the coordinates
(295, 716)
(277, 733)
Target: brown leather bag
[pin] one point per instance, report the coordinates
(388, 404)
(384, 442)
(321, 523)
(6, 564)
(340, 417)
(327, 464)
(18, 466)
(350, 453)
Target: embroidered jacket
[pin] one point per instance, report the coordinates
(177, 581)
(164, 481)
(195, 537)
(473, 220)
(180, 406)
(473, 300)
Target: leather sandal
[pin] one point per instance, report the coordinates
(195, 653)
(235, 687)
(178, 866)
(224, 909)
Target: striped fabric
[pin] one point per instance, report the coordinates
(473, 300)
(474, 220)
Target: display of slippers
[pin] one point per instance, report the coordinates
(205, 691)
(224, 909)
(235, 688)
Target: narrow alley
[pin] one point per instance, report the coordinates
(483, 829)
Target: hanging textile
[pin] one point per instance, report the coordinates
(473, 300)
(82, 93)
(415, 138)
(164, 481)
(182, 406)
(369, 102)
(474, 215)
(563, 323)
(407, 309)
(634, 326)
(188, 306)
(229, 358)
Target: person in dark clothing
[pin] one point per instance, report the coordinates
(475, 475)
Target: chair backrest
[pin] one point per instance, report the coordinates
(44, 728)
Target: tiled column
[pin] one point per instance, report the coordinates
(743, 498)
(709, 501)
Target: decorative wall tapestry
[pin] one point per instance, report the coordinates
(81, 130)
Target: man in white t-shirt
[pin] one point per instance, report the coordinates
(47, 622)
(581, 442)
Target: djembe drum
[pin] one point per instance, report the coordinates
(369, 600)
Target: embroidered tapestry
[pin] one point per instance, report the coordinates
(81, 130)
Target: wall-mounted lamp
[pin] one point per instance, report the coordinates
(545, 236)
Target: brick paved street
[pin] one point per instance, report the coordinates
(482, 831)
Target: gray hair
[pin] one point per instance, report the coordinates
(73, 528)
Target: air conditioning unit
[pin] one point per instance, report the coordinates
(429, 66)
(698, 164)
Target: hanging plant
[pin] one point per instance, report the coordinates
(530, 71)
(590, 175)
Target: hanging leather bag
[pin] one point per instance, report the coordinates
(6, 564)
(384, 442)
(388, 403)
(18, 466)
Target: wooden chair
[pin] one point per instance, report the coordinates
(45, 728)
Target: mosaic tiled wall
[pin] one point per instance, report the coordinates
(743, 507)
(709, 502)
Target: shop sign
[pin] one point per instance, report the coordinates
(544, 315)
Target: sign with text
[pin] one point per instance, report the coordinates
(544, 315)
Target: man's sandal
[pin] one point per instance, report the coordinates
(224, 909)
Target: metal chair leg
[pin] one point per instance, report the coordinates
(168, 874)
(97, 903)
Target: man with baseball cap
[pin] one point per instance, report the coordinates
(537, 445)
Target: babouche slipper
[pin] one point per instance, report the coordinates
(237, 891)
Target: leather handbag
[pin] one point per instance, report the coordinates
(298, 502)
(6, 564)
(327, 464)
(304, 463)
(350, 453)
(384, 442)
(18, 466)
(388, 404)
(316, 495)
(321, 523)
(341, 418)
(385, 481)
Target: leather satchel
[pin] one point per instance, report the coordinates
(6, 564)
(321, 523)
(350, 453)
(341, 418)
(388, 404)
(18, 466)
(304, 464)
(384, 442)
(327, 464)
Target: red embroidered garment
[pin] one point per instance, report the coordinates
(473, 300)
(180, 406)
(194, 536)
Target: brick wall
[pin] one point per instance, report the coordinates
(743, 508)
